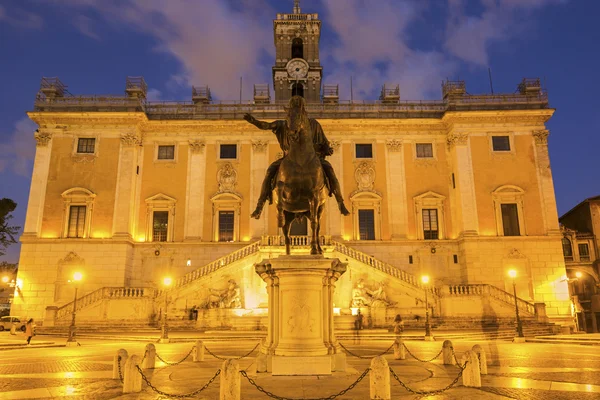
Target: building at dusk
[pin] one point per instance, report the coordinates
(128, 191)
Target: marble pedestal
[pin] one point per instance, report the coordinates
(300, 338)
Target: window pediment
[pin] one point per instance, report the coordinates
(77, 192)
(161, 198)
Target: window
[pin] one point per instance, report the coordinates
(228, 151)
(77, 214)
(501, 143)
(299, 228)
(424, 150)
(584, 252)
(160, 224)
(567, 249)
(364, 151)
(86, 145)
(297, 48)
(76, 221)
(455, 256)
(160, 218)
(430, 224)
(410, 259)
(226, 226)
(508, 207)
(166, 152)
(298, 89)
(510, 219)
(366, 224)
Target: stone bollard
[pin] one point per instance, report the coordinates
(471, 376)
(149, 357)
(198, 353)
(447, 353)
(399, 350)
(123, 354)
(230, 379)
(380, 379)
(482, 359)
(132, 379)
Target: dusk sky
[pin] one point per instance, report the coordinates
(92, 45)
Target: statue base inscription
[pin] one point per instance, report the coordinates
(300, 337)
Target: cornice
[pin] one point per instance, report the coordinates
(87, 118)
(529, 117)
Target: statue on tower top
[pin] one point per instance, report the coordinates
(296, 6)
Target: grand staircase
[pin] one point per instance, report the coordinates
(272, 246)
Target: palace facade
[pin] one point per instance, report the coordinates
(128, 191)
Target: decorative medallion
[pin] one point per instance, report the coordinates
(83, 158)
(259, 146)
(197, 146)
(227, 178)
(394, 145)
(335, 144)
(365, 175)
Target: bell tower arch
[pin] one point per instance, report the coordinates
(297, 68)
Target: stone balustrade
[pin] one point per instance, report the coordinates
(491, 291)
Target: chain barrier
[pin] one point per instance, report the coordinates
(333, 396)
(456, 360)
(119, 368)
(428, 393)
(418, 359)
(178, 362)
(231, 358)
(177, 396)
(365, 357)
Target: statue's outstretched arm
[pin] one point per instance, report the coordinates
(260, 124)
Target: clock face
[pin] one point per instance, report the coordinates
(297, 68)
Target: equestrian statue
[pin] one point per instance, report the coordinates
(302, 175)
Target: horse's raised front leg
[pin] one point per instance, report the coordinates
(289, 218)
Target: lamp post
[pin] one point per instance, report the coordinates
(164, 337)
(513, 274)
(71, 341)
(428, 336)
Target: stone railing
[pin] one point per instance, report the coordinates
(217, 264)
(103, 293)
(493, 292)
(382, 266)
(295, 241)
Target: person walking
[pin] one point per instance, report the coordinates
(29, 330)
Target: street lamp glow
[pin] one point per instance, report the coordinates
(578, 274)
(5, 279)
(167, 281)
(425, 279)
(512, 273)
(77, 276)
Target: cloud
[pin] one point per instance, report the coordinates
(21, 19)
(154, 95)
(216, 41)
(372, 45)
(468, 37)
(84, 25)
(18, 152)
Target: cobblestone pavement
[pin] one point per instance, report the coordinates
(519, 371)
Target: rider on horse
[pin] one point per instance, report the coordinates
(322, 148)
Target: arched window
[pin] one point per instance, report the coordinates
(567, 249)
(298, 89)
(297, 48)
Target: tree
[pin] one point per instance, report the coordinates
(7, 232)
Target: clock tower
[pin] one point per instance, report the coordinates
(297, 69)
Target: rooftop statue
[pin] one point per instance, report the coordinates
(302, 174)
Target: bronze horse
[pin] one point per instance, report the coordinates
(300, 181)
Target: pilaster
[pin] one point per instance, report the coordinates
(396, 186)
(126, 185)
(546, 184)
(196, 182)
(459, 142)
(39, 180)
